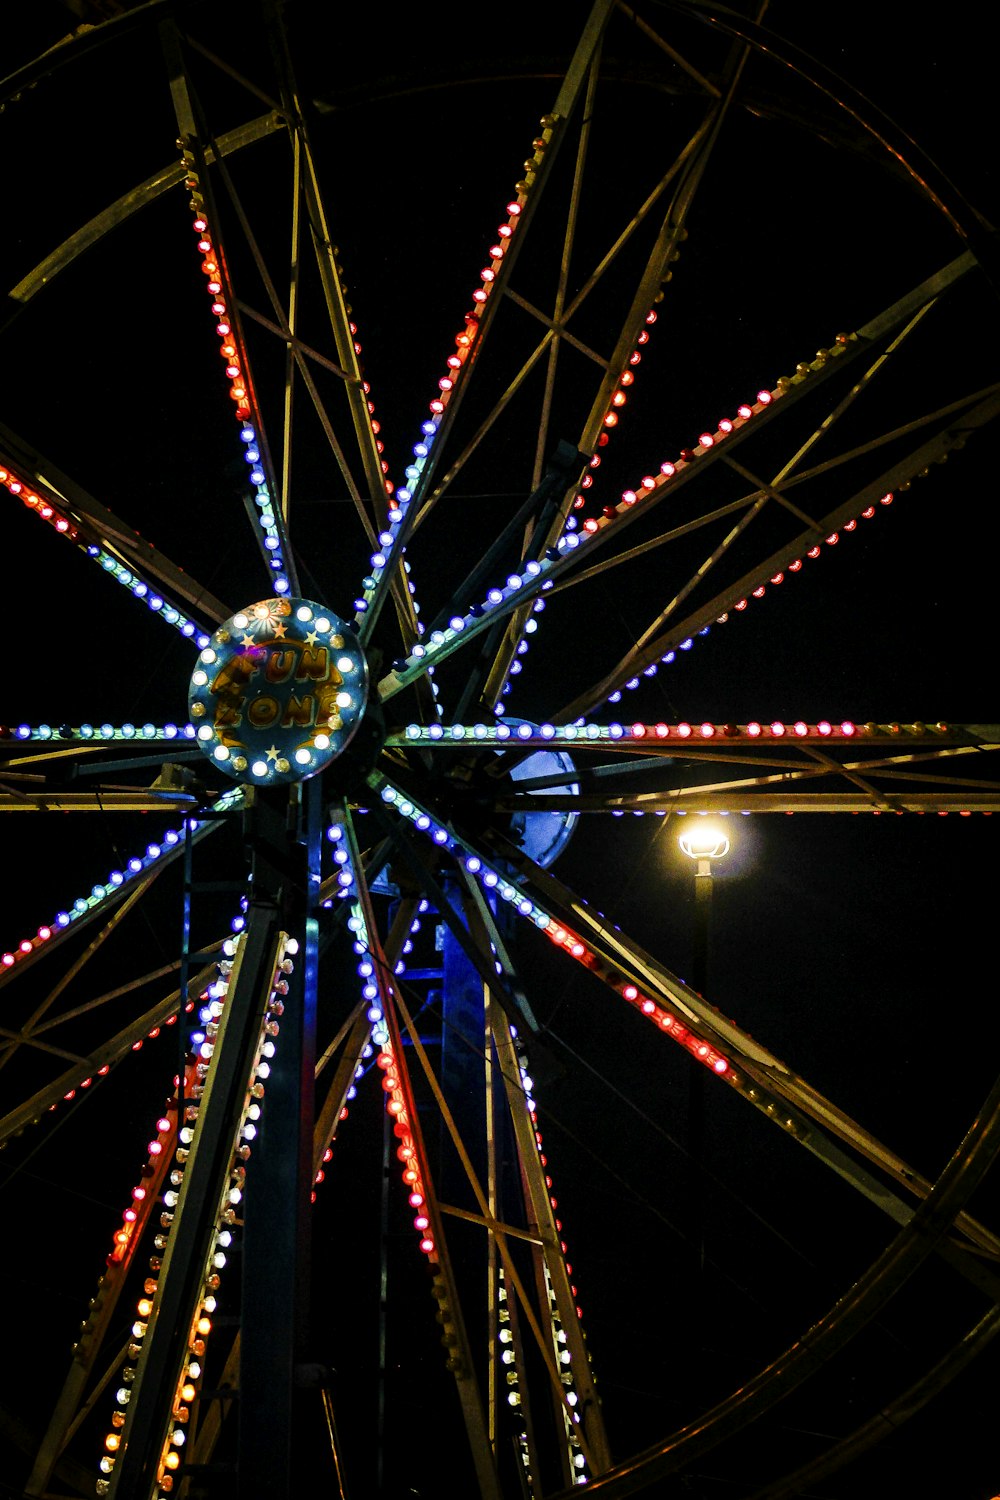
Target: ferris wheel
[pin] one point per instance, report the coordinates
(387, 685)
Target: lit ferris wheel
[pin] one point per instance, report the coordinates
(363, 789)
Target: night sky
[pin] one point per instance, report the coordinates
(857, 948)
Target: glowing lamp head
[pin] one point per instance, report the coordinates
(704, 840)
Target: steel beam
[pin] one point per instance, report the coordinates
(276, 1239)
(205, 1181)
(901, 473)
(100, 524)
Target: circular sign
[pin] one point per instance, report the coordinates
(278, 692)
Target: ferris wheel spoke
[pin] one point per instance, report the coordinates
(500, 604)
(346, 1050)
(425, 873)
(121, 210)
(332, 1111)
(528, 582)
(495, 277)
(300, 356)
(658, 641)
(401, 1105)
(908, 311)
(611, 393)
(36, 757)
(269, 522)
(869, 1294)
(102, 1058)
(482, 919)
(138, 801)
(331, 273)
(176, 1320)
(589, 1440)
(788, 1100)
(763, 490)
(532, 511)
(75, 1400)
(900, 318)
(512, 1067)
(104, 898)
(556, 321)
(307, 197)
(672, 233)
(815, 752)
(817, 529)
(351, 1043)
(33, 1025)
(861, 387)
(713, 1041)
(497, 1230)
(785, 759)
(94, 530)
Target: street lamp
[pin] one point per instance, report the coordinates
(704, 841)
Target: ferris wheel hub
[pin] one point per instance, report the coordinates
(278, 692)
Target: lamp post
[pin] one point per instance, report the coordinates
(703, 841)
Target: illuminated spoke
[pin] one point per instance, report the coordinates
(270, 523)
(787, 758)
(660, 643)
(498, 1230)
(565, 1317)
(402, 1107)
(485, 301)
(271, 502)
(33, 1026)
(104, 897)
(296, 359)
(98, 735)
(334, 292)
(681, 1013)
(528, 582)
(176, 1316)
(619, 375)
(100, 1060)
(121, 554)
(144, 1202)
